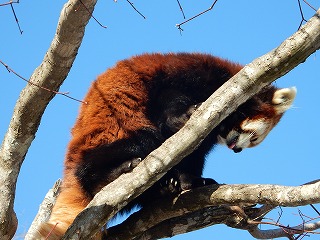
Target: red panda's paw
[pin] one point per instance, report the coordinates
(188, 181)
(175, 123)
(182, 182)
(128, 166)
(125, 167)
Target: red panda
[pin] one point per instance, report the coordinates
(134, 107)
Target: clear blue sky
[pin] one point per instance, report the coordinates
(237, 30)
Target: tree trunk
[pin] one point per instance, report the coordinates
(33, 101)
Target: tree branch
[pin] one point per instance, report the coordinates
(186, 223)
(225, 100)
(283, 231)
(33, 101)
(28, 81)
(172, 216)
(45, 210)
(197, 15)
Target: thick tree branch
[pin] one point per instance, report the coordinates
(33, 101)
(186, 223)
(172, 216)
(219, 215)
(225, 100)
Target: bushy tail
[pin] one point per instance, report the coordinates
(70, 202)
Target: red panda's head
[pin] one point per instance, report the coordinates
(252, 121)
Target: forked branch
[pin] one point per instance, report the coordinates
(197, 15)
(11, 2)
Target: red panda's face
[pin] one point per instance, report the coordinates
(253, 126)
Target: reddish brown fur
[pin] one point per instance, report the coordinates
(117, 103)
(102, 120)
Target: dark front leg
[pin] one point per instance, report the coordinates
(172, 110)
(104, 164)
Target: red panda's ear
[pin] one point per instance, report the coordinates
(283, 99)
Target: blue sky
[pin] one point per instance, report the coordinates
(237, 30)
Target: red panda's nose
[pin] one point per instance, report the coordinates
(237, 150)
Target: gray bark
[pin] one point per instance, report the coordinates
(33, 101)
(209, 205)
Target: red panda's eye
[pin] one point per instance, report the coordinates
(253, 139)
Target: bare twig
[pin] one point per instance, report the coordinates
(314, 208)
(16, 18)
(303, 19)
(132, 5)
(8, 3)
(34, 84)
(199, 14)
(97, 21)
(181, 9)
(13, 11)
(280, 215)
(310, 5)
(299, 229)
(307, 226)
(302, 16)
